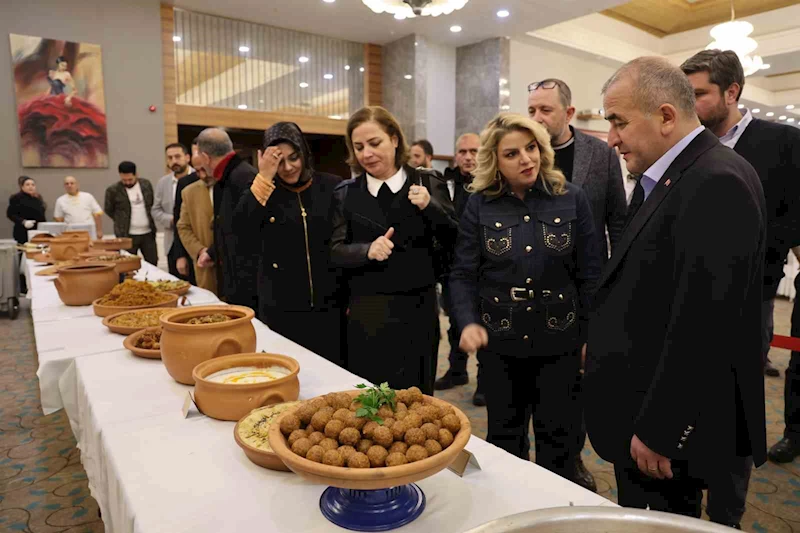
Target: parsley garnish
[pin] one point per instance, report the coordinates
(373, 398)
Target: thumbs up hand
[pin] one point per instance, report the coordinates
(381, 248)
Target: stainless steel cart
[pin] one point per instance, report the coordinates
(9, 278)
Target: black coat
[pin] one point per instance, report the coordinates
(291, 268)
(674, 340)
(237, 264)
(774, 151)
(177, 246)
(22, 207)
(544, 245)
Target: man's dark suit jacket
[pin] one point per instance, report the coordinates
(674, 338)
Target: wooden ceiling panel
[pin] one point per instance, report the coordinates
(665, 17)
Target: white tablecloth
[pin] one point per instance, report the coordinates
(153, 471)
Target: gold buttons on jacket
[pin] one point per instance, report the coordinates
(498, 224)
(528, 249)
(557, 220)
(271, 220)
(560, 296)
(526, 218)
(274, 265)
(529, 309)
(525, 337)
(496, 300)
(528, 281)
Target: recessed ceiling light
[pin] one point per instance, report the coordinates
(756, 110)
(790, 119)
(503, 13)
(770, 114)
(505, 92)
(455, 29)
(329, 1)
(790, 106)
(302, 59)
(244, 48)
(399, 16)
(408, 76)
(328, 76)
(303, 85)
(782, 117)
(242, 106)
(503, 81)
(261, 101)
(347, 67)
(176, 38)
(335, 117)
(361, 69)
(505, 107)
(416, 43)
(741, 106)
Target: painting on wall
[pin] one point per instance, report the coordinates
(60, 99)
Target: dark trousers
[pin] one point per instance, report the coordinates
(147, 244)
(458, 358)
(319, 330)
(767, 326)
(172, 264)
(680, 495)
(727, 494)
(791, 390)
(577, 394)
(539, 387)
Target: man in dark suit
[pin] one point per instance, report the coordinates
(674, 392)
(183, 262)
(588, 162)
(774, 151)
(237, 264)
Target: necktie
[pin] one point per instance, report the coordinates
(636, 200)
(385, 197)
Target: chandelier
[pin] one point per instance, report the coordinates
(734, 36)
(403, 9)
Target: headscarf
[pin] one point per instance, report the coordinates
(289, 132)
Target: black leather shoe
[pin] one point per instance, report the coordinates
(784, 451)
(770, 370)
(450, 380)
(479, 399)
(583, 477)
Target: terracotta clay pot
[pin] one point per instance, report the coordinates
(106, 310)
(42, 238)
(83, 234)
(98, 253)
(84, 283)
(232, 401)
(184, 346)
(62, 249)
(123, 243)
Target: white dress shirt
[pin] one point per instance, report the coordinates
(395, 183)
(732, 136)
(656, 171)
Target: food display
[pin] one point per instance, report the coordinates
(123, 243)
(246, 375)
(81, 284)
(132, 293)
(149, 340)
(144, 343)
(139, 319)
(101, 258)
(176, 286)
(209, 319)
(254, 428)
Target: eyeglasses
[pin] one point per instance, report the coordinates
(549, 84)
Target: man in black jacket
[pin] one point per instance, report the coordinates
(182, 260)
(774, 151)
(237, 264)
(674, 391)
(128, 203)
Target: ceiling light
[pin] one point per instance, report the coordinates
(329, 1)
(261, 101)
(242, 106)
(455, 29)
(303, 85)
(770, 114)
(402, 9)
(741, 106)
(503, 13)
(347, 67)
(505, 92)
(335, 117)
(302, 59)
(789, 119)
(503, 81)
(790, 106)
(176, 38)
(361, 69)
(734, 35)
(244, 48)
(416, 43)
(328, 76)
(505, 107)
(782, 117)
(408, 76)
(756, 110)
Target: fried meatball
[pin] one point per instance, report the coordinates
(415, 436)
(401, 415)
(385, 412)
(358, 460)
(416, 453)
(431, 431)
(399, 447)
(333, 428)
(296, 435)
(342, 414)
(438, 423)
(315, 454)
(452, 423)
(354, 405)
(399, 430)
(416, 406)
(329, 444)
(305, 412)
(413, 420)
(357, 422)
(346, 452)
(301, 447)
(333, 458)
(369, 428)
(364, 445)
(328, 409)
(432, 447)
(319, 403)
(289, 423)
(446, 410)
(377, 456)
(316, 437)
(445, 438)
(429, 413)
(331, 400)
(320, 420)
(396, 459)
(403, 397)
(344, 400)
(415, 395)
(383, 436)
(349, 436)
(388, 422)
(400, 407)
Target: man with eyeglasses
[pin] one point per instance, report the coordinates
(589, 162)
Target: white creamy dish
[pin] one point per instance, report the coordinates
(254, 429)
(244, 375)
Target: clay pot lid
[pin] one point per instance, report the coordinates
(176, 319)
(260, 360)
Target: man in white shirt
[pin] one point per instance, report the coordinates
(78, 207)
(178, 159)
(128, 203)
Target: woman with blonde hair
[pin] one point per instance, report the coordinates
(384, 225)
(525, 268)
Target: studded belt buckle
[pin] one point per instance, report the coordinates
(520, 294)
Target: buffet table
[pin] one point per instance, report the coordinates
(152, 470)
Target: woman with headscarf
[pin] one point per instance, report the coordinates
(287, 215)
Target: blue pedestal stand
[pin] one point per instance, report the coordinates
(372, 510)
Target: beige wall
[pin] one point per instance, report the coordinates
(129, 32)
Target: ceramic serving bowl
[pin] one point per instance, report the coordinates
(105, 310)
(370, 478)
(81, 284)
(98, 253)
(64, 248)
(108, 321)
(42, 238)
(232, 401)
(75, 233)
(130, 344)
(180, 291)
(259, 456)
(184, 346)
(123, 263)
(123, 243)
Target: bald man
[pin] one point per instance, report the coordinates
(78, 207)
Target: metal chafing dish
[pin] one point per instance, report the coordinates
(597, 520)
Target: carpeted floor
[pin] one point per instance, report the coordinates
(43, 487)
